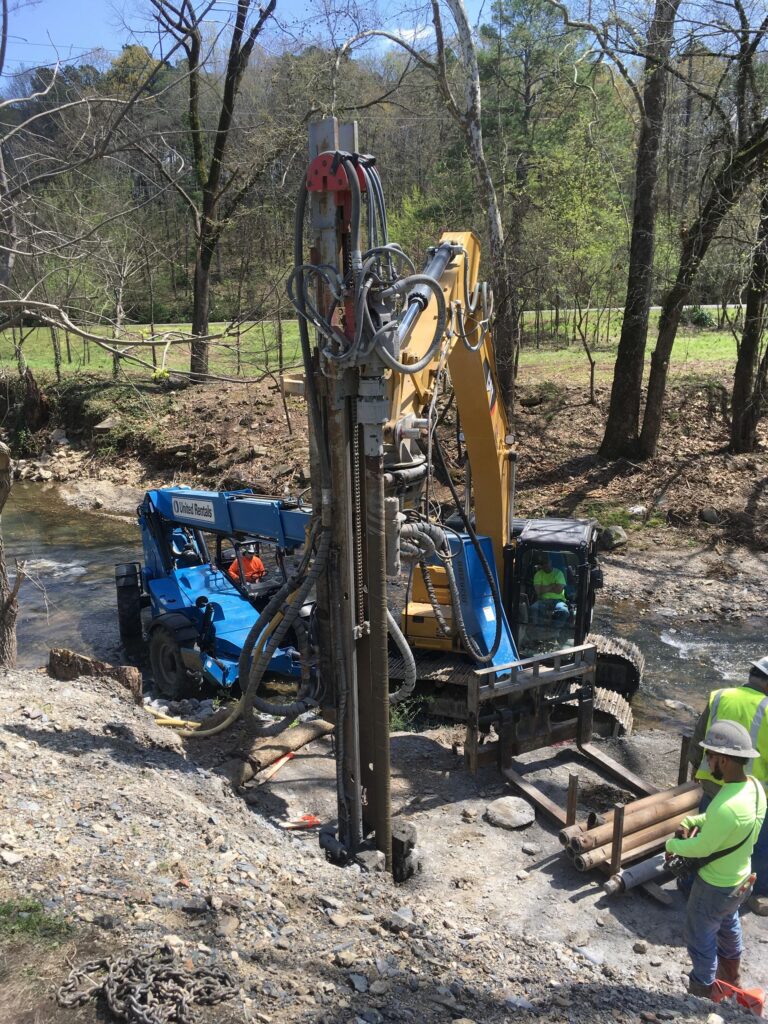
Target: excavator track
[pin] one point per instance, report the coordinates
(610, 704)
(620, 664)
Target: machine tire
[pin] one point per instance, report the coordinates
(620, 664)
(171, 678)
(128, 587)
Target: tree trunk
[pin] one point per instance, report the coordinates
(726, 188)
(9, 606)
(747, 394)
(35, 408)
(201, 306)
(621, 429)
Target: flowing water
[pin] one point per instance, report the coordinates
(70, 555)
(70, 602)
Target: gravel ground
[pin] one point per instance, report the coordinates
(115, 828)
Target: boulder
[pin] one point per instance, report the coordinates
(510, 812)
(611, 537)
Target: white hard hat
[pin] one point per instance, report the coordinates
(731, 739)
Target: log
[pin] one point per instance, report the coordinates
(266, 750)
(636, 818)
(67, 665)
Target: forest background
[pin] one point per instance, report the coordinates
(613, 159)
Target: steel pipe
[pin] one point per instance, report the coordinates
(594, 818)
(636, 818)
(566, 834)
(659, 831)
(646, 871)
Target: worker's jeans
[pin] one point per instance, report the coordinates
(713, 927)
(760, 861)
(546, 611)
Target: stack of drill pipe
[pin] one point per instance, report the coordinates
(640, 814)
(653, 836)
(648, 823)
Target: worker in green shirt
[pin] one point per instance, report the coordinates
(748, 705)
(721, 840)
(551, 603)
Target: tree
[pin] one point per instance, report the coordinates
(466, 111)
(751, 374)
(622, 426)
(219, 191)
(739, 154)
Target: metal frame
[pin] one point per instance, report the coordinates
(534, 688)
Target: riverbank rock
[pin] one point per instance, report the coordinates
(510, 812)
(67, 665)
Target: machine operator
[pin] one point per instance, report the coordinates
(549, 586)
(253, 567)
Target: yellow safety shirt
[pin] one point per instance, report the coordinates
(554, 580)
(737, 811)
(748, 707)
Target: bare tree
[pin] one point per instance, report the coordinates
(739, 153)
(466, 111)
(220, 191)
(750, 378)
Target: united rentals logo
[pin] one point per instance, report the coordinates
(194, 508)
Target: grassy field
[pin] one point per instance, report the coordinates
(258, 346)
(696, 351)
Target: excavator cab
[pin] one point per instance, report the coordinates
(546, 623)
(562, 551)
(538, 627)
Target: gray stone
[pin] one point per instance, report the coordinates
(709, 515)
(510, 812)
(371, 860)
(531, 849)
(611, 537)
(359, 982)
(400, 921)
(640, 947)
(227, 925)
(10, 858)
(517, 1003)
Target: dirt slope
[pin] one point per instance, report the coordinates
(120, 832)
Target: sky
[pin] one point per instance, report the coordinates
(44, 31)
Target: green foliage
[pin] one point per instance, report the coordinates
(695, 316)
(26, 919)
(403, 716)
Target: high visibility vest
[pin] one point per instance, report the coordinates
(749, 708)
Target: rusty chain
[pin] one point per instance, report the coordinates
(149, 988)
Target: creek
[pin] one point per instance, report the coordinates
(69, 601)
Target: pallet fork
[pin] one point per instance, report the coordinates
(520, 708)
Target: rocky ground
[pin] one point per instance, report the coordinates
(127, 839)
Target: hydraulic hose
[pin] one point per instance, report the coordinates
(293, 609)
(478, 549)
(409, 681)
